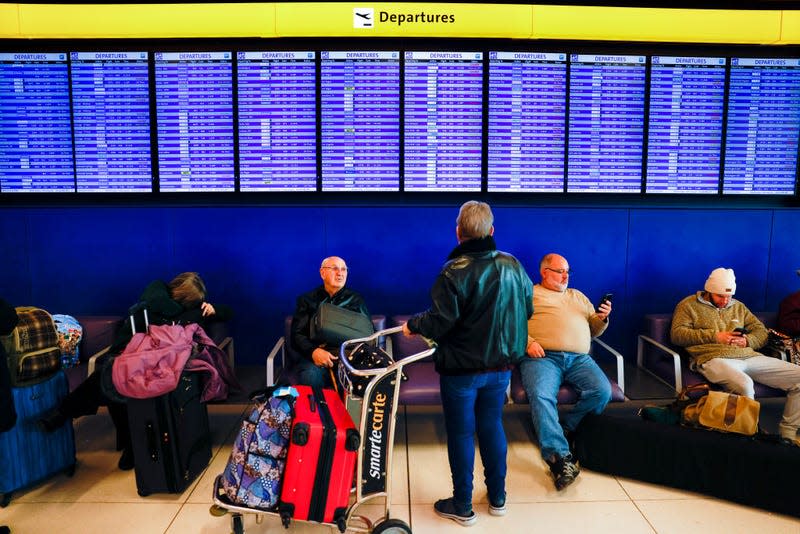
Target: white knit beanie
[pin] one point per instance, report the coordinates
(721, 281)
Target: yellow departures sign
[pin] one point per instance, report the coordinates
(398, 19)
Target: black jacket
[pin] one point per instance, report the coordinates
(8, 321)
(482, 300)
(306, 308)
(162, 309)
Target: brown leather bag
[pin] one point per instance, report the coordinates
(726, 412)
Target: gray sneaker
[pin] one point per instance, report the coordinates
(447, 508)
(498, 508)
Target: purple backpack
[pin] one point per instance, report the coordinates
(253, 475)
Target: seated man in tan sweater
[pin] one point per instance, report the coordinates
(721, 335)
(560, 332)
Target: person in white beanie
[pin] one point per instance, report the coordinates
(722, 337)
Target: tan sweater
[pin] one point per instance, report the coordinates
(696, 321)
(563, 321)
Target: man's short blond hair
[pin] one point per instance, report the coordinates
(475, 220)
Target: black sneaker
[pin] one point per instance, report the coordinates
(564, 471)
(498, 507)
(447, 508)
(126, 460)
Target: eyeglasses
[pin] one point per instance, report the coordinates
(560, 271)
(336, 269)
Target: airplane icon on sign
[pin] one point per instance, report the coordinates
(363, 17)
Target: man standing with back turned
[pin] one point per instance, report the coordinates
(482, 299)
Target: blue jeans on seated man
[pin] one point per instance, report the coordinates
(542, 378)
(309, 374)
(474, 404)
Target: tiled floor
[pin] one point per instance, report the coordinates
(100, 498)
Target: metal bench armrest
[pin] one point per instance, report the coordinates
(278, 349)
(618, 360)
(92, 364)
(676, 359)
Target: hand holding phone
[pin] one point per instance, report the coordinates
(608, 297)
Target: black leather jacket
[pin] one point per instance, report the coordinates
(306, 308)
(482, 300)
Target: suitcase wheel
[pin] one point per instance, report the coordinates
(70, 470)
(286, 511)
(142, 493)
(392, 526)
(237, 524)
(352, 440)
(5, 499)
(300, 434)
(217, 510)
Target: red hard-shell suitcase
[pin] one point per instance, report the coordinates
(321, 459)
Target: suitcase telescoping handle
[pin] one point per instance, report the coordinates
(133, 310)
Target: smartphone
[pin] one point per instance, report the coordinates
(742, 330)
(608, 297)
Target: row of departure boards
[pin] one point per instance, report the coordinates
(390, 120)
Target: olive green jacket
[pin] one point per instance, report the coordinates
(696, 322)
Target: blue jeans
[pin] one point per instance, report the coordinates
(474, 404)
(308, 374)
(542, 377)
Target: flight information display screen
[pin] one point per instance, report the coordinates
(35, 131)
(606, 123)
(527, 121)
(277, 98)
(194, 108)
(443, 121)
(360, 120)
(685, 124)
(763, 126)
(111, 117)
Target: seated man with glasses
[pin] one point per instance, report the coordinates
(560, 332)
(317, 366)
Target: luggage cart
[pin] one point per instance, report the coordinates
(374, 462)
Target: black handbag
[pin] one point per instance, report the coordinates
(780, 342)
(363, 357)
(333, 325)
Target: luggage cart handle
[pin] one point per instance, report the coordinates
(380, 333)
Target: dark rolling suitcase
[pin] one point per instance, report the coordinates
(28, 454)
(321, 459)
(170, 436)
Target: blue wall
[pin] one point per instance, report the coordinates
(97, 259)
